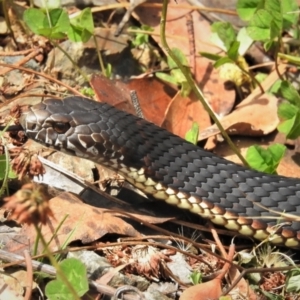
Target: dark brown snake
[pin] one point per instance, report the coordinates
(169, 168)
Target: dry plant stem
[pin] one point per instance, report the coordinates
(55, 264)
(74, 91)
(18, 260)
(22, 61)
(193, 85)
(158, 5)
(252, 78)
(276, 61)
(227, 265)
(99, 56)
(217, 239)
(257, 270)
(28, 292)
(192, 48)
(17, 53)
(167, 233)
(5, 10)
(176, 37)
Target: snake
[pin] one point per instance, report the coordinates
(252, 203)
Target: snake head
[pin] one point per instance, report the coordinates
(70, 126)
(43, 126)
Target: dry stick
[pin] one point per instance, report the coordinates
(193, 85)
(22, 61)
(167, 233)
(29, 275)
(192, 46)
(75, 92)
(17, 53)
(158, 5)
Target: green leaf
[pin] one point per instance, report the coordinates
(275, 87)
(166, 77)
(267, 21)
(3, 168)
(178, 76)
(289, 93)
(180, 56)
(108, 70)
(75, 272)
(290, 13)
(265, 160)
(196, 277)
(225, 32)
(185, 89)
(51, 33)
(233, 51)
(260, 77)
(58, 21)
(274, 9)
(141, 38)
(259, 27)
(247, 8)
(223, 61)
(74, 34)
(291, 127)
(192, 135)
(82, 26)
(53, 26)
(292, 281)
(34, 19)
(211, 56)
(287, 111)
(292, 284)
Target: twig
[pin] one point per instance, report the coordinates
(75, 92)
(192, 48)
(28, 292)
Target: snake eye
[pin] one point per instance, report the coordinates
(60, 127)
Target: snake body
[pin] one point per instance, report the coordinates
(169, 168)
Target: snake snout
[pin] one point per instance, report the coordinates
(29, 122)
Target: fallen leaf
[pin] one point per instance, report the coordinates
(89, 224)
(254, 116)
(154, 98)
(115, 93)
(183, 112)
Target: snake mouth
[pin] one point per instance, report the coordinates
(22, 120)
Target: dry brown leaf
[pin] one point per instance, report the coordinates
(181, 114)
(154, 97)
(112, 92)
(254, 118)
(90, 224)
